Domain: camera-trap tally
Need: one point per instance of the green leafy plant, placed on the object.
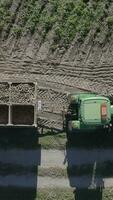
(17, 30)
(110, 22)
(67, 18)
(4, 12)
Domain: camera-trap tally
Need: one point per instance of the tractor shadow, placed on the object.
(20, 155)
(89, 162)
(88, 194)
(97, 139)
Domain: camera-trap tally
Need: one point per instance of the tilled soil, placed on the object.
(53, 85)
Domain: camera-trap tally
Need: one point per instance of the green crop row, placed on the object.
(67, 18)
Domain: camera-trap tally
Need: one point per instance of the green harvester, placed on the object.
(87, 112)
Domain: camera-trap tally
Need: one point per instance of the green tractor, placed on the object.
(88, 112)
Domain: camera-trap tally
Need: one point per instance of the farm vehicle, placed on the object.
(19, 105)
(88, 112)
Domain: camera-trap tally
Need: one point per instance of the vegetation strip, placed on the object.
(55, 194)
(53, 141)
(69, 194)
(52, 172)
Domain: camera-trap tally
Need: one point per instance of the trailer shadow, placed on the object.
(20, 155)
(89, 162)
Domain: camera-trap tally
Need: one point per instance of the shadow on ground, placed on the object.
(97, 139)
(88, 194)
(90, 160)
(19, 160)
(19, 138)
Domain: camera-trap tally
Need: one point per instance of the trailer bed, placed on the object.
(18, 104)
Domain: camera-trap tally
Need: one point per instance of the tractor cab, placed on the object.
(95, 111)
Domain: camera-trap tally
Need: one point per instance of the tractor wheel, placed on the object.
(64, 126)
(69, 131)
(69, 127)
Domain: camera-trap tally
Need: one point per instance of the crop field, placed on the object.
(64, 46)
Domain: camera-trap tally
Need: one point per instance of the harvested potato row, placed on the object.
(4, 92)
(22, 93)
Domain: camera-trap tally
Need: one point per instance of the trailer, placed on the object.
(18, 104)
